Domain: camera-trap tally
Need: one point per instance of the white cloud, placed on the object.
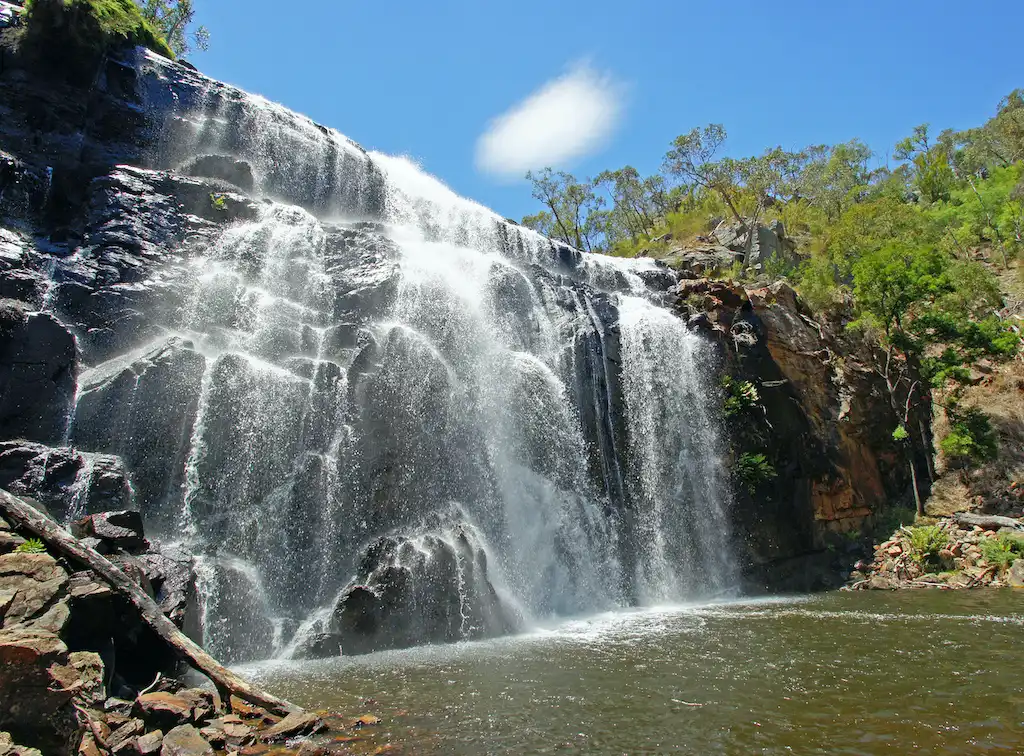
(567, 118)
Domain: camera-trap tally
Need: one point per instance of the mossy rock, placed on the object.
(69, 33)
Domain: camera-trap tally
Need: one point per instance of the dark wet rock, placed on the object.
(364, 273)
(142, 407)
(65, 481)
(23, 190)
(37, 374)
(23, 274)
(171, 573)
(432, 587)
(659, 277)
(104, 620)
(236, 172)
(243, 630)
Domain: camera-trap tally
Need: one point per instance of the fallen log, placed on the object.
(986, 522)
(24, 515)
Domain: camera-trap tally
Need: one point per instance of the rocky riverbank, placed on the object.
(74, 654)
(963, 551)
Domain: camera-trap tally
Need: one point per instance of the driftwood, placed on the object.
(986, 522)
(227, 683)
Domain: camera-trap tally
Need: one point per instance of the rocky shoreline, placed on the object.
(959, 552)
(72, 653)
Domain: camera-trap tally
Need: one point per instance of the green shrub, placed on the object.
(816, 283)
(85, 29)
(752, 470)
(1003, 550)
(971, 439)
(32, 546)
(927, 541)
(997, 552)
(740, 396)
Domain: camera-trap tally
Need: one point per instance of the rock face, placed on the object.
(37, 374)
(731, 244)
(823, 422)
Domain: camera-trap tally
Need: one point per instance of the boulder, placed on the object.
(430, 586)
(33, 699)
(293, 725)
(38, 583)
(1015, 575)
(149, 744)
(185, 740)
(121, 531)
(766, 243)
(164, 710)
(125, 734)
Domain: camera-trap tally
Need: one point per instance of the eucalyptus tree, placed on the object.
(572, 209)
(692, 158)
(173, 19)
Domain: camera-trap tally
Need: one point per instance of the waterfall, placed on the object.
(405, 418)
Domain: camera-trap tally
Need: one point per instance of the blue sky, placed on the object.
(429, 79)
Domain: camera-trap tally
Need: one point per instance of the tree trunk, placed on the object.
(22, 514)
(913, 479)
(732, 207)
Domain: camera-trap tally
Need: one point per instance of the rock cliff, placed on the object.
(821, 419)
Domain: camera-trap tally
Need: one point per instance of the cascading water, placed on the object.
(412, 421)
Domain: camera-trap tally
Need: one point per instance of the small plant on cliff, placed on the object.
(971, 439)
(218, 203)
(927, 541)
(740, 396)
(32, 546)
(753, 470)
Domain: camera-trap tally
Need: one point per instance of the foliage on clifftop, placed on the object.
(84, 29)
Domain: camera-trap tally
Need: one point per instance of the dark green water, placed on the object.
(842, 673)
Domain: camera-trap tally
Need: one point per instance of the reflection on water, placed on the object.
(844, 673)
